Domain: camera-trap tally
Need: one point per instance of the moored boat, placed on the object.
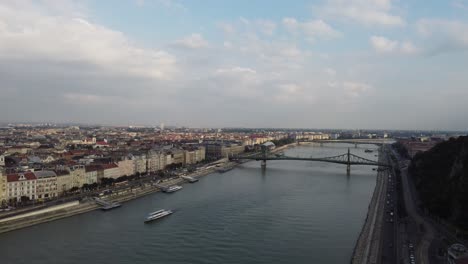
(173, 188)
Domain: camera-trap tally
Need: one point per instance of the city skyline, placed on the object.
(324, 64)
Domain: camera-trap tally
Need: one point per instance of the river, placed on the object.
(293, 212)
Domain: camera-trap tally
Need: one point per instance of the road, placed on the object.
(422, 254)
(389, 253)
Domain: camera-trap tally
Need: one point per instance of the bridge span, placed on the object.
(347, 159)
(357, 141)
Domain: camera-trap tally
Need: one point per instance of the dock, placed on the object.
(189, 179)
(105, 205)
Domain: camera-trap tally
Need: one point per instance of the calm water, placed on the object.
(294, 212)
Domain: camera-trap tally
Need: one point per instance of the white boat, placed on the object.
(173, 188)
(157, 215)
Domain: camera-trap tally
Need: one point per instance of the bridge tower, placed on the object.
(348, 163)
(264, 155)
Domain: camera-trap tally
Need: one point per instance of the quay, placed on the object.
(189, 179)
(43, 214)
(106, 205)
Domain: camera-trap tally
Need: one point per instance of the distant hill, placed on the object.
(441, 176)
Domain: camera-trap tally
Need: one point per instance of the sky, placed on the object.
(383, 64)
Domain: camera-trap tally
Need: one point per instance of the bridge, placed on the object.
(355, 141)
(347, 159)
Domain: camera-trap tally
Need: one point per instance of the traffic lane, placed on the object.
(390, 220)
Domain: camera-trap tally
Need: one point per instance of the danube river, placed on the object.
(294, 212)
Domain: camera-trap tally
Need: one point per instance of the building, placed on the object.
(192, 156)
(3, 187)
(111, 171)
(46, 186)
(93, 173)
(64, 182)
(177, 156)
(20, 186)
(78, 175)
(218, 151)
(140, 164)
(126, 166)
(269, 145)
(156, 161)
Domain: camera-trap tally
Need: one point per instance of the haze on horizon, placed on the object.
(304, 64)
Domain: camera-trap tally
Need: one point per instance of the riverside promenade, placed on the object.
(47, 214)
(369, 244)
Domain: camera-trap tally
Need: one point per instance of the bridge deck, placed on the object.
(316, 159)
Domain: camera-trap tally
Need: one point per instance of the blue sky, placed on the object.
(331, 63)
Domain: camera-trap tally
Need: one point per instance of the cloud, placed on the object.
(382, 44)
(443, 35)
(356, 89)
(58, 64)
(193, 41)
(266, 27)
(331, 72)
(312, 29)
(227, 28)
(167, 4)
(318, 28)
(291, 24)
(385, 45)
(455, 31)
(32, 35)
(365, 12)
(460, 4)
(236, 70)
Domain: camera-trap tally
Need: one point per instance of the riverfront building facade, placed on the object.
(21, 186)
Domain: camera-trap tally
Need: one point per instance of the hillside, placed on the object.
(441, 177)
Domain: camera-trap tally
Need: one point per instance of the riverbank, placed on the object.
(87, 204)
(368, 245)
(120, 196)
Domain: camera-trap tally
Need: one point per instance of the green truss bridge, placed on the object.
(347, 159)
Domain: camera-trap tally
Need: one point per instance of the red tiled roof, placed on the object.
(90, 168)
(15, 177)
(109, 166)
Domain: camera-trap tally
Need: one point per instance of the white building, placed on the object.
(19, 185)
(140, 163)
(46, 186)
(126, 166)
